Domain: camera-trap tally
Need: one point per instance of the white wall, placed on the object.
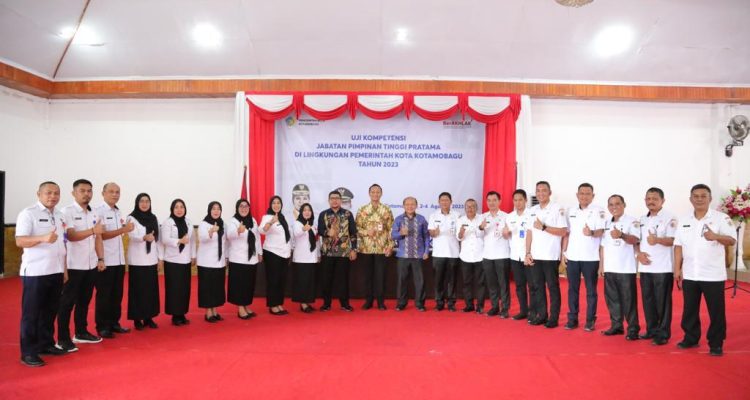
(167, 148)
(187, 148)
(627, 147)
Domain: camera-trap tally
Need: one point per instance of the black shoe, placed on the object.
(716, 351)
(185, 321)
(538, 321)
(86, 337)
(67, 346)
(247, 316)
(686, 345)
(280, 312)
(208, 318)
(219, 318)
(53, 351)
(367, 306)
(589, 326)
(117, 328)
(400, 308)
(646, 336)
(504, 314)
(480, 310)
(493, 312)
(468, 308)
(519, 317)
(382, 307)
(176, 321)
(32, 361)
(659, 341)
(347, 308)
(452, 307)
(421, 309)
(106, 334)
(439, 307)
(613, 332)
(632, 336)
(150, 323)
(551, 324)
(571, 325)
(138, 325)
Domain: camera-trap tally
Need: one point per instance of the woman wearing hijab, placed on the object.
(245, 253)
(276, 251)
(211, 261)
(143, 256)
(305, 258)
(179, 255)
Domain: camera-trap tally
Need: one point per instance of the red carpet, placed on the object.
(377, 355)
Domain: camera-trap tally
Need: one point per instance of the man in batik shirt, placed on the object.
(339, 232)
(374, 221)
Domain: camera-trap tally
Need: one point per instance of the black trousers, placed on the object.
(497, 276)
(76, 293)
(40, 303)
(546, 277)
(276, 270)
(374, 266)
(521, 275)
(656, 295)
(621, 295)
(691, 322)
(413, 266)
(335, 269)
(303, 282)
(445, 279)
(109, 290)
(473, 277)
(590, 272)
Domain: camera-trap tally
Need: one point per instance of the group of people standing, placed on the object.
(70, 252)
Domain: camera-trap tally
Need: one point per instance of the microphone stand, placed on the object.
(734, 286)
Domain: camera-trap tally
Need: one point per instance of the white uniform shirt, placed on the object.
(663, 224)
(208, 249)
(301, 239)
(275, 239)
(114, 249)
(703, 260)
(619, 256)
(168, 236)
(445, 244)
(81, 254)
(137, 254)
(44, 258)
(237, 243)
(472, 243)
(544, 245)
(581, 247)
(495, 246)
(518, 224)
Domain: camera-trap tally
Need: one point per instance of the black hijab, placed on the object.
(182, 228)
(282, 220)
(146, 218)
(308, 221)
(248, 222)
(218, 221)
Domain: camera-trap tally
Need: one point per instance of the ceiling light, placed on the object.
(84, 36)
(573, 3)
(206, 35)
(401, 34)
(613, 40)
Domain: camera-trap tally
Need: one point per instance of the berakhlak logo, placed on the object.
(457, 124)
(290, 121)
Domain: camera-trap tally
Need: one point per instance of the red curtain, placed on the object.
(500, 142)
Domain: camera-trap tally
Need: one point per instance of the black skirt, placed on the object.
(176, 288)
(241, 283)
(303, 282)
(211, 287)
(275, 278)
(143, 292)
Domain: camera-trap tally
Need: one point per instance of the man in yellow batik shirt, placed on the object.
(374, 221)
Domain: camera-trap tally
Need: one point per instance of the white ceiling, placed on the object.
(676, 41)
